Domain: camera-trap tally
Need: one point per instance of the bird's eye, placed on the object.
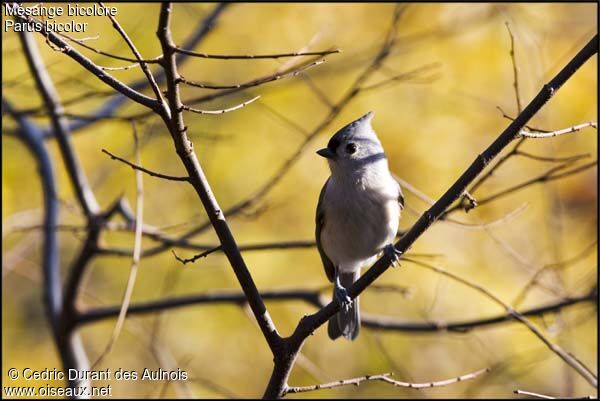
(351, 148)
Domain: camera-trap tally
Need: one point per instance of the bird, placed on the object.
(357, 216)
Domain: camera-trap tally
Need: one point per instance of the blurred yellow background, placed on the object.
(431, 131)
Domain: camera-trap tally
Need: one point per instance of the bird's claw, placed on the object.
(393, 254)
(341, 296)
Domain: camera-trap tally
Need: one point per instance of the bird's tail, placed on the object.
(346, 323)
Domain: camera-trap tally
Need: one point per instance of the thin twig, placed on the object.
(573, 158)
(409, 76)
(137, 248)
(385, 378)
(184, 148)
(124, 68)
(88, 64)
(575, 128)
(221, 111)
(508, 117)
(313, 297)
(576, 364)
(482, 179)
(111, 105)
(254, 56)
(82, 43)
(550, 175)
(292, 72)
(198, 256)
(515, 70)
(535, 278)
(138, 57)
(145, 170)
(549, 397)
(60, 125)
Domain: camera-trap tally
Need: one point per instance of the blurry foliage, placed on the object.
(430, 131)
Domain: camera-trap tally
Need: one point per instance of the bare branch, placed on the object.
(68, 343)
(514, 65)
(572, 159)
(198, 180)
(145, 170)
(32, 136)
(386, 379)
(569, 130)
(255, 56)
(60, 126)
(549, 397)
(138, 57)
(577, 365)
(409, 76)
(114, 102)
(529, 127)
(550, 175)
(535, 278)
(82, 43)
(291, 72)
(124, 68)
(221, 111)
(313, 297)
(198, 256)
(90, 66)
(137, 247)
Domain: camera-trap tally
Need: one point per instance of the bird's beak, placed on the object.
(326, 153)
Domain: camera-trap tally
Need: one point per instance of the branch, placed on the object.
(69, 345)
(409, 76)
(569, 130)
(549, 397)
(198, 256)
(200, 183)
(90, 66)
(216, 297)
(573, 158)
(60, 126)
(136, 61)
(386, 379)
(572, 361)
(255, 56)
(109, 107)
(222, 111)
(515, 148)
(550, 175)
(313, 297)
(138, 57)
(32, 137)
(291, 72)
(140, 168)
(137, 248)
(514, 66)
(535, 278)
(235, 88)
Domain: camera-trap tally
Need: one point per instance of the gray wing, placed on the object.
(320, 222)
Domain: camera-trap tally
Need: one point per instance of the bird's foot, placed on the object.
(393, 254)
(340, 294)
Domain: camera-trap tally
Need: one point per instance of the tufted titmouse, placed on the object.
(357, 215)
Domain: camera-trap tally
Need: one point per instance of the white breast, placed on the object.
(361, 217)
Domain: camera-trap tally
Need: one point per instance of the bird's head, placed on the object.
(353, 147)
